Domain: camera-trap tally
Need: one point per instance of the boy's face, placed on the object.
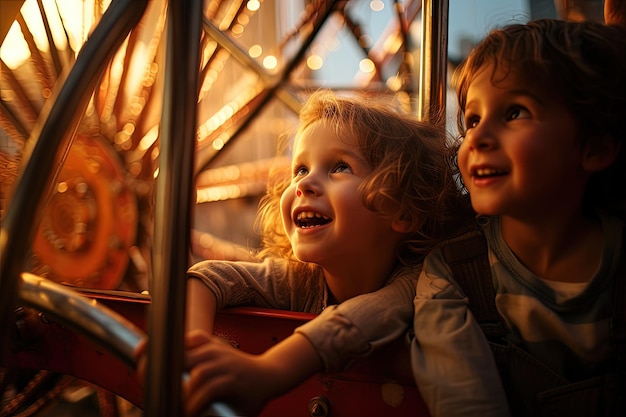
(322, 211)
(521, 155)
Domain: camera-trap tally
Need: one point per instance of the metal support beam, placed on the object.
(434, 61)
(172, 210)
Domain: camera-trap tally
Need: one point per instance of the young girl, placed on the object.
(369, 194)
(542, 115)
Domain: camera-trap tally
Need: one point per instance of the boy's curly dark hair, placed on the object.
(411, 168)
(582, 62)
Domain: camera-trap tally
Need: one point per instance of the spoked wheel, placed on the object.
(95, 226)
(79, 180)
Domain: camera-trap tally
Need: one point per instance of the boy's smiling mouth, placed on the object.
(308, 219)
(487, 172)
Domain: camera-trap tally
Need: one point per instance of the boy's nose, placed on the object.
(481, 137)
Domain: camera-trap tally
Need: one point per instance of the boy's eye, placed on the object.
(517, 113)
(471, 121)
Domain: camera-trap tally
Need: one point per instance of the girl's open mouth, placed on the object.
(308, 219)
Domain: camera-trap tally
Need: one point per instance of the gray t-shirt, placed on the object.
(341, 332)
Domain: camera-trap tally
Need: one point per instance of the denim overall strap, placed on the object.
(532, 388)
(466, 255)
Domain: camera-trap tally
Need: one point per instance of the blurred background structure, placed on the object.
(259, 61)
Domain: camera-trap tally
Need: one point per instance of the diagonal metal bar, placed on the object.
(237, 52)
(274, 89)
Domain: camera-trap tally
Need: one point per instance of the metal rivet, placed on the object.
(319, 406)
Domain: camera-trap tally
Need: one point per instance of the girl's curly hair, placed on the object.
(583, 63)
(411, 169)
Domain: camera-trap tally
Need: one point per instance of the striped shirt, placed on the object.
(566, 328)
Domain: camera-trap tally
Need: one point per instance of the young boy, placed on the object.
(542, 111)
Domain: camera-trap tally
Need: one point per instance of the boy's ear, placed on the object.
(600, 154)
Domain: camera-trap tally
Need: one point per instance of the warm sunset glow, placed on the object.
(68, 19)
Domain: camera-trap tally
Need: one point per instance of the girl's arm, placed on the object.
(219, 371)
(354, 328)
(201, 306)
(215, 285)
(329, 341)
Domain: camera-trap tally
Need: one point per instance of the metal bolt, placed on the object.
(319, 406)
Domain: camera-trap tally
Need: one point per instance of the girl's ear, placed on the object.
(600, 154)
(400, 226)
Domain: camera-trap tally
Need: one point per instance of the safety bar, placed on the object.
(104, 326)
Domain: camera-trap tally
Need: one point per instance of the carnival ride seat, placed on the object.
(91, 335)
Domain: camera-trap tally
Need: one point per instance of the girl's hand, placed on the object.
(218, 371)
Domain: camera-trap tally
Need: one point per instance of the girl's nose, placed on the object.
(308, 186)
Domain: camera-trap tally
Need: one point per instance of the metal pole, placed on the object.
(433, 62)
(172, 214)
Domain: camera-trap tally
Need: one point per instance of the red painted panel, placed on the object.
(380, 385)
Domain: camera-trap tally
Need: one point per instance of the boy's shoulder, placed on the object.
(466, 256)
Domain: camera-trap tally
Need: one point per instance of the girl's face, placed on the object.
(322, 210)
(521, 155)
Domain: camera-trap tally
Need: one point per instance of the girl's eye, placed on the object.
(517, 113)
(300, 171)
(342, 167)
